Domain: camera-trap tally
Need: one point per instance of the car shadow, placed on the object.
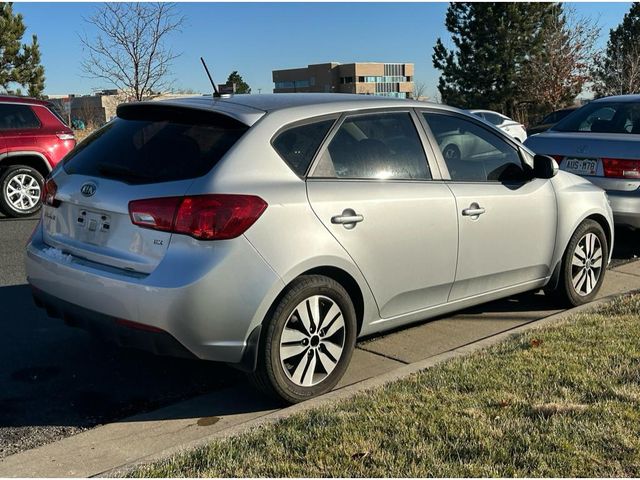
(55, 375)
(626, 245)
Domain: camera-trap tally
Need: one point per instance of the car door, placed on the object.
(375, 191)
(19, 125)
(506, 219)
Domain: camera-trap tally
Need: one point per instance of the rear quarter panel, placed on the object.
(288, 235)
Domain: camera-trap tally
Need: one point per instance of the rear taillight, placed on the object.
(618, 168)
(205, 217)
(49, 193)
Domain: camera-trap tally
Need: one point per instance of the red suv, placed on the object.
(33, 139)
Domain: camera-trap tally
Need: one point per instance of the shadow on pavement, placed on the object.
(52, 374)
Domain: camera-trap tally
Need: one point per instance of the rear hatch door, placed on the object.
(149, 151)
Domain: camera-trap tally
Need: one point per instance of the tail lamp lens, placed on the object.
(619, 168)
(205, 217)
(49, 193)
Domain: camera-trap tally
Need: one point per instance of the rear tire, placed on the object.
(583, 265)
(307, 342)
(20, 191)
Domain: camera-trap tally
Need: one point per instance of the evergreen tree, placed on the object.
(241, 85)
(19, 63)
(618, 69)
(493, 43)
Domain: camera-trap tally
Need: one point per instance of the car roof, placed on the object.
(18, 99)
(249, 108)
(620, 98)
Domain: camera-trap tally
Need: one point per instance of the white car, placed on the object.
(504, 123)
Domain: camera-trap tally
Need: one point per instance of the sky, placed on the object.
(256, 38)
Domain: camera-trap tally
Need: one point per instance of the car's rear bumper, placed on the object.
(110, 328)
(208, 298)
(625, 207)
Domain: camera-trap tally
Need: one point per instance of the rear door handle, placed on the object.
(348, 218)
(474, 210)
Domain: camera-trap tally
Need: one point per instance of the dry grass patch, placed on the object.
(561, 401)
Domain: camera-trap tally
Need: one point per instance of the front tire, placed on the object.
(20, 191)
(584, 264)
(307, 340)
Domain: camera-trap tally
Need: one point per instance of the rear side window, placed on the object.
(155, 144)
(16, 116)
(298, 145)
(378, 146)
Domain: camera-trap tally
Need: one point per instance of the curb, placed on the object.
(360, 387)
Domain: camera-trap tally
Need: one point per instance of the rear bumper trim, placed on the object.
(114, 330)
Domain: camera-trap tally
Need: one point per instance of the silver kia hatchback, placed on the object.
(272, 231)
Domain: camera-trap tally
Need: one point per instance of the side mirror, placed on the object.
(544, 166)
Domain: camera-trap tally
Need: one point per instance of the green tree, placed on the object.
(493, 43)
(19, 63)
(241, 85)
(617, 70)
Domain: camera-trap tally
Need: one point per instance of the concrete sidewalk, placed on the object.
(227, 412)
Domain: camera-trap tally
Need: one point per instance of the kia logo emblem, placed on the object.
(88, 189)
(582, 149)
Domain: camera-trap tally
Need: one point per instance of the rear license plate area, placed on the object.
(581, 166)
(92, 227)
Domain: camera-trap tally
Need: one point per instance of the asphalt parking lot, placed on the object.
(56, 381)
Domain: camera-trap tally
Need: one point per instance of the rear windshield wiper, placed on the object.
(119, 172)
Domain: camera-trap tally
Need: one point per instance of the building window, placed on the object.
(346, 80)
(293, 84)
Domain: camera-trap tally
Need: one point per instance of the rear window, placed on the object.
(14, 116)
(297, 145)
(602, 117)
(148, 144)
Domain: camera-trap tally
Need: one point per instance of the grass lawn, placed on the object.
(561, 401)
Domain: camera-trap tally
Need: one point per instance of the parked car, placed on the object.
(601, 142)
(550, 120)
(33, 139)
(511, 127)
(270, 231)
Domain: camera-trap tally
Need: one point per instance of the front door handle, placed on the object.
(474, 210)
(348, 218)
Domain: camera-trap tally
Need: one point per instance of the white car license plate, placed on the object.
(581, 166)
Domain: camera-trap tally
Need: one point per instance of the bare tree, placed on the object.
(557, 75)
(419, 89)
(129, 49)
(619, 75)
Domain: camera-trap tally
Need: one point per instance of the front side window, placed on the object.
(377, 146)
(16, 116)
(472, 153)
(297, 145)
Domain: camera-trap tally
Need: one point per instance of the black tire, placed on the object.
(271, 374)
(8, 177)
(566, 292)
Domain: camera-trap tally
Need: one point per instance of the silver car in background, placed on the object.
(601, 142)
(271, 231)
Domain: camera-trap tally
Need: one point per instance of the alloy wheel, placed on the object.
(22, 192)
(312, 341)
(586, 264)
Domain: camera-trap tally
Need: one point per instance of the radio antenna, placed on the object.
(215, 89)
